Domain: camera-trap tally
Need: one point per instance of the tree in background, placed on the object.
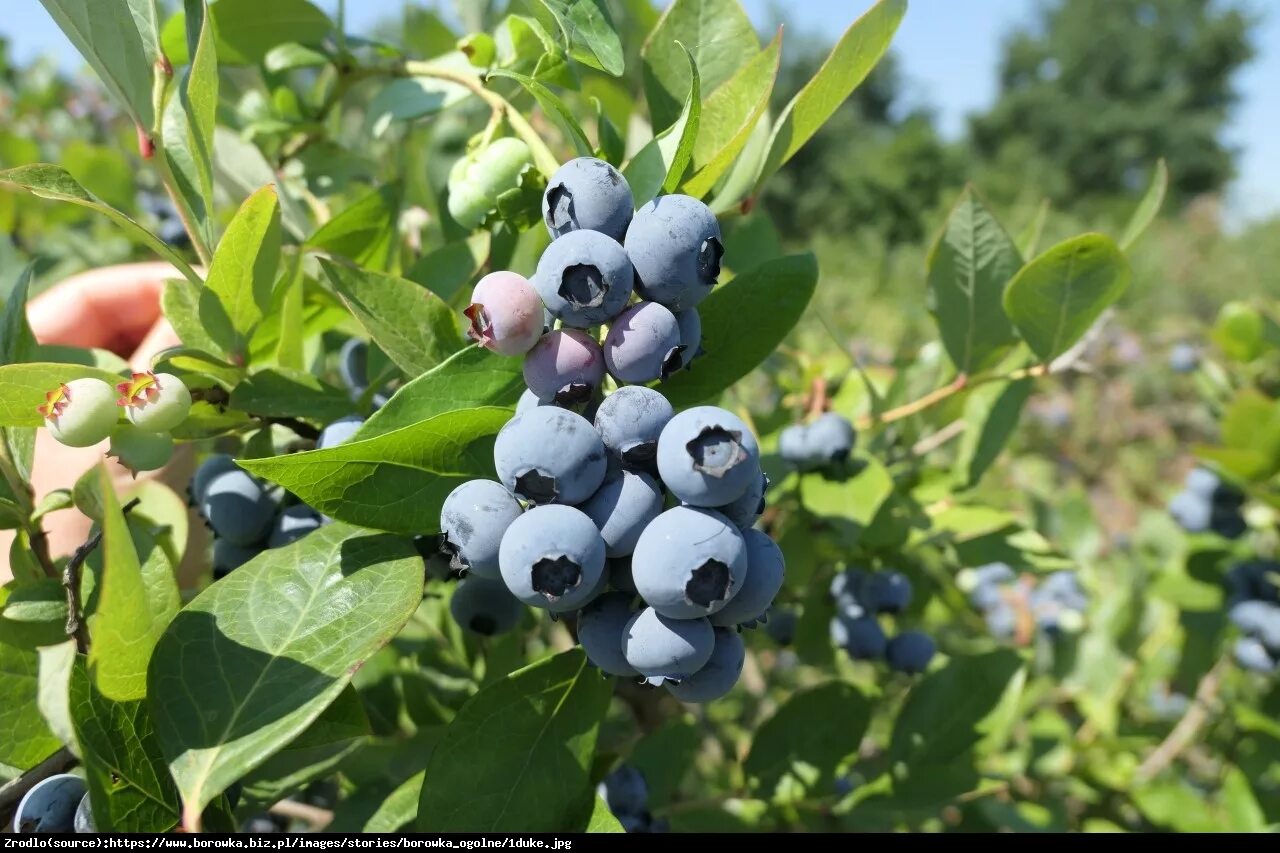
(1096, 90)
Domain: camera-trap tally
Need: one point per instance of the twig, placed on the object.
(71, 583)
(15, 789)
(315, 816)
(1184, 733)
(932, 442)
(217, 396)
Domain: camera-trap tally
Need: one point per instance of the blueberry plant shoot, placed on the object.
(517, 490)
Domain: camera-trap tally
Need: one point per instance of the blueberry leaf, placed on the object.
(554, 108)
(248, 30)
(1148, 208)
(23, 387)
(277, 641)
(237, 292)
(806, 739)
(991, 415)
(25, 739)
(661, 163)
(189, 118)
(277, 392)
(365, 232)
(518, 755)
(448, 269)
(32, 613)
(587, 32)
(395, 481)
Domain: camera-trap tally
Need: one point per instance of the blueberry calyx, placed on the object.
(716, 451)
(537, 487)
(582, 286)
(708, 584)
(555, 576)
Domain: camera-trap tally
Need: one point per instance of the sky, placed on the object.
(948, 51)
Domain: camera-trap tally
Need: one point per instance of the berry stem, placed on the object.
(1185, 731)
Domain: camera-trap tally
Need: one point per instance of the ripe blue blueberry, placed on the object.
(664, 649)
(675, 245)
(846, 588)
(1184, 358)
(886, 592)
(690, 325)
(1192, 512)
(910, 652)
(292, 524)
(622, 508)
(552, 557)
(860, 636)
(528, 400)
(720, 673)
(484, 606)
(585, 278)
(1202, 482)
(746, 510)
(564, 367)
(473, 520)
(550, 455)
(780, 624)
(50, 805)
(1064, 589)
(83, 821)
(630, 421)
(600, 627)
(1259, 619)
(766, 569)
(1254, 579)
(506, 313)
(218, 463)
(227, 556)
(238, 508)
(643, 344)
(830, 438)
(708, 457)
(624, 791)
(793, 446)
(80, 413)
(339, 432)
(1227, 521)
(1002, 620)
(1252, 655)
(689, 562)
(353, 366)
(587, 194)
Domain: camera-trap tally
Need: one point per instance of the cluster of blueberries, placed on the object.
(825, 441)
(1206, 502)
(1253, 589)
(861, 596)
(627, 795)
(1013, 606)
(603, 500)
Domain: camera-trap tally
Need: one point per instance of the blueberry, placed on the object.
(587, 194)
(747, 509)
(630, 421)
(292, 524)
(689, 562)
(550, 455)
(622, 508)
(1202, 482)
(83, 821)
(1064, 589)
(860, 636)
(80, 413)
(1184, 358)
(766, 569)
(1002, 620)
(690, 325)
(624, 791)
(238, 508)
(339, 432)
(1254, 579)
(155, 402)
(664, 649)
(830, 438)
(1252, 655)
(708, 457)
(987, 596)
(675, 245)
(228, 556)
(600, 628)
(720, 673)
(1227, 522)
(985, 584)
(643, 344)
(353, 365)
(506, 313)
(846, 588)
(473, 520)
(50, 805)
(552, 557)
(910, 652)
(886, 592)
(780, 624)
(528, 400)
(218, 463)
(1260, 619)
(565, 367)
(1191, 511)
(485, 607)
(139, 450)
(585, 278)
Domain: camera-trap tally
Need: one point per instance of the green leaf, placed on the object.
(739, 182)
(131, 612)
(545, 718)
(407, 98)
(469, 379)
(1029, 238)
(17, 343)
(661, 164)
(53, 695)
(181, 305)
(554, 108)
(970, 688)
(23, 387)
(277, 392)
(721, 37)
(412, 325)
(120, 40)
(850, 505)
(1147, 209)
(852, 59)
(129, 785)
(448, 269)
(33, 613)
(602, 819)
(396, 481)
(339, 730)
(728, 117)
(1240, 331)
(769, 300)
(588, 33)
(248, 30)
(275, 643)
(25, 739)
(55, 501)
(399, 809)
(968, 269)
(54, 182)
(237, 292)
(1250, 436)
(808, 737)
(991, 415)
(290, 56)
(1056, 297)
(366, 231)
(241, 169)
(190, 119)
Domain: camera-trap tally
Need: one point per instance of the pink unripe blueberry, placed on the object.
(643, 344)
(80, 413)
(155, 402)
(506, 313)
(565, 366)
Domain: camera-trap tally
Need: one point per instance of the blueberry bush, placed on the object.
(525, 492)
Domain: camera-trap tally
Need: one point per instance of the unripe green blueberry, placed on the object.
(139, 450)
(80, 413)
(478, 178)
(155, 402)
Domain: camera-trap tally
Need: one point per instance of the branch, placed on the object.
(1184, 733)
(71, 583)
(217, 396)
(316, 817)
